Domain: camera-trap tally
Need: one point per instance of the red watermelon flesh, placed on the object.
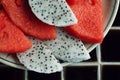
(21, 14)
(90, 21)
(71, 2)
(12, 39)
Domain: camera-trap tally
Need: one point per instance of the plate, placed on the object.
(110, 8)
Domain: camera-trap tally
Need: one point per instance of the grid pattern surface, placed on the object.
(103, 65)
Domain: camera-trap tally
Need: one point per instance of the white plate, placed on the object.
(110, 10)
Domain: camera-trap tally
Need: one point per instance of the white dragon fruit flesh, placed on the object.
(67, 48)
(42, 56)
(53, 12)
(39, 58)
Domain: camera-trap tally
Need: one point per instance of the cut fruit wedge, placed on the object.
(39, 58)
(21, 14)
(90, 24)
(53, 12)
(12, 39)
(67, 48)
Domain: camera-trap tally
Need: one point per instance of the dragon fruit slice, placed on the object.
(53, 12)
(39, 58)
(67, 48)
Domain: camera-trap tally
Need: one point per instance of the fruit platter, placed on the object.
(45, 35)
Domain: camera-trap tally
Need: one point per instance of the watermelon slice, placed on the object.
(21, 14)
(90, 21)
(12, 39)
